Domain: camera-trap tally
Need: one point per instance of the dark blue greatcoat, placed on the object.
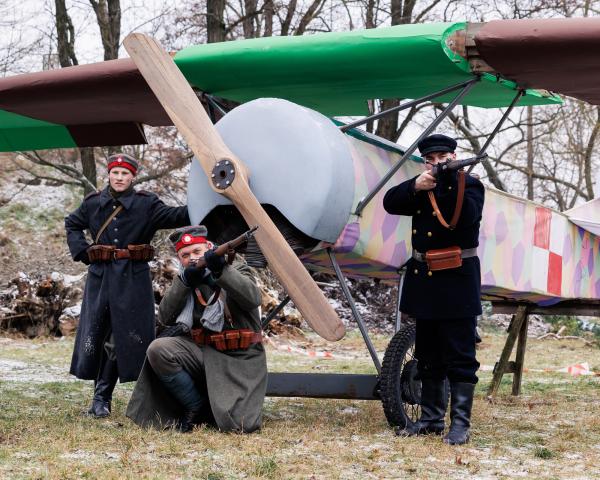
(449, 293)
(118, 294)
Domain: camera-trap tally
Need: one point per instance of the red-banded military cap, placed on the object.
(123, 160)
(182, 237)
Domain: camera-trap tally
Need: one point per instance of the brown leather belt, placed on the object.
(107, 253)
(228, 339)
(464, 253)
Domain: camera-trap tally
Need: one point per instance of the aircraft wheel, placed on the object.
(399, 389)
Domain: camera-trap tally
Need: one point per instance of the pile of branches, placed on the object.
(38, 306)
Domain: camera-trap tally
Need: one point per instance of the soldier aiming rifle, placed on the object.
(208, 364)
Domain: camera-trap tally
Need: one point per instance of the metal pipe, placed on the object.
(404, 106)
(215, 104)
(491, 136)
(365, 201)
(265, 322)
(357, 317)
(398, 322)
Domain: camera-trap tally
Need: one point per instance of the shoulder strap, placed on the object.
(108, 220)
(459, 203)
(214, 297)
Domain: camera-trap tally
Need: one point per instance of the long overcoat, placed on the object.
(236, 380)
(118, 294)
(452, 293)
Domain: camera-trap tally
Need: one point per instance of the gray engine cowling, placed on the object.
(299, 162)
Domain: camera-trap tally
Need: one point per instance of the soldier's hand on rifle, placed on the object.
(425, 181)
(193, 276)
(215, 263)
(176, 330)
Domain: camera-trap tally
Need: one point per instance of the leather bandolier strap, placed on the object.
(459, 203)
(107, 221)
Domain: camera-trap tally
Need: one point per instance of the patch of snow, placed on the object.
(73, 311)
(16, 371)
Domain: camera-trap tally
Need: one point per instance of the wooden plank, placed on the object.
(591, 308)
(520, 358)
(183, 107)
(513, 332)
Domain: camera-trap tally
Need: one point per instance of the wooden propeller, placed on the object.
(229, 176)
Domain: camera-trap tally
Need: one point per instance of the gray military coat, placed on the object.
(236, 380)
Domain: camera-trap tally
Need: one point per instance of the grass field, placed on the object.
(551, 431)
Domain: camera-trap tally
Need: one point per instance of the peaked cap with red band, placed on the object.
(124, 161)
(186, 236)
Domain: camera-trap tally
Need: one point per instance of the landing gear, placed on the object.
(399, 389)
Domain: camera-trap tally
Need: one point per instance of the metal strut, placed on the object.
(398, 322)
(491, 136)
(404, 106)
(365, 201)
(272, 314)
(357, 317)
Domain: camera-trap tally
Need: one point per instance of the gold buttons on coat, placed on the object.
(418, 212)
(450, 187)
(433, 213)
(429, 234)
(429, 273)
(416, 271)
(414, 231)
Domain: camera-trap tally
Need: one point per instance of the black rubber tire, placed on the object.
(400, 392)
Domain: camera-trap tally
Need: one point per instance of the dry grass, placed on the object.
(552, 431)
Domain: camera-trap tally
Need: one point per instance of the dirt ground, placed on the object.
(551, 431)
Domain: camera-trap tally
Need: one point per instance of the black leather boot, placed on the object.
(434, 401)
(461, 402)
(181, 385)
(104, 386)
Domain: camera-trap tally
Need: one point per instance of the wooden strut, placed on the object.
(517, 330)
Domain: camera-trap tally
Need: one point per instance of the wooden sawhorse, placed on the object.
(517, 332)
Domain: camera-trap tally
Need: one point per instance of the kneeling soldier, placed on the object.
(208, 364)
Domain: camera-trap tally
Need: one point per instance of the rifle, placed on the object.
(230, 247)
(453, 165)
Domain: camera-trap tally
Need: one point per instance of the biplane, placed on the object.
(313, 185)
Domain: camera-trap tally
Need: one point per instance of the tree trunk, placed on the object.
(215, 27)
(108, 16)
(530, 152)
(88, 167)
(65, 33)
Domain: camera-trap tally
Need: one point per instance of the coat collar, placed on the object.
(126, 200)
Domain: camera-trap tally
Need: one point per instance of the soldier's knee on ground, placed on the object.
(159, 357)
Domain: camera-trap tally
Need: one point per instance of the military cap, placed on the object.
(182, 237)
(123, 160)
(436, 143)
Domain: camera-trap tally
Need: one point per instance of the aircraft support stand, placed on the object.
(516, 330)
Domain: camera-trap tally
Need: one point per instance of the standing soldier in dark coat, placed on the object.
(209, 364)
(442, 286)
(117, 313)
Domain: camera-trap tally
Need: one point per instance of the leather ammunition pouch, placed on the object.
(108, 253)
(101, 253)
(443, 258)
(141, 253)
(227, 340)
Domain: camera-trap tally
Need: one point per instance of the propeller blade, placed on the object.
(229, 176)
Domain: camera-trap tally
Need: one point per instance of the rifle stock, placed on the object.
(230, 245)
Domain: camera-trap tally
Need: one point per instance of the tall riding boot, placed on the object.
(461, 402)
(181, 386)
(434, 401)
(104, 386)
